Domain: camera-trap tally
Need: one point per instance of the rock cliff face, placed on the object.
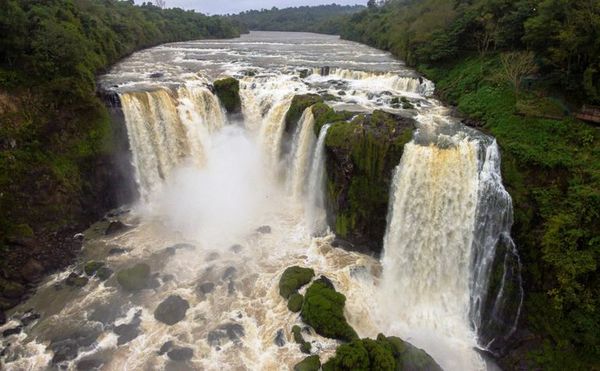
(362, 153)
(53, 210)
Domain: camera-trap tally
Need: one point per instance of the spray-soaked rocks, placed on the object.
(323, 309)
(129, 331)
(135, 278)
(293, 278)
(98, 270)
(171, 310)
(265, 229)
(75, 280)
(228, 332)
(180, 354)
(115, 227)
(305, 346)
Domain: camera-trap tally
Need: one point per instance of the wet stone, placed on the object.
(92, 267)
(75, 280)
(12, 331)
(104, 273)
(224, 333)
(264, 229)
(212, 256)
(165, 347)
(117, 251)
(180, 354)
(67, 347)
(167, 277)
(229, 273)
(89, 364)
(279, 338)
(171, 310)
(231, 287)
(2, 318)
(206, 287)
(106, 313)
(236, 248)
(115, 227)
(327, 282)
(29, 318)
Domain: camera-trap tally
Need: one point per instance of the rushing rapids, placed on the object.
(227, 203)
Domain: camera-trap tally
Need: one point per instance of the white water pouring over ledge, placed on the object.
(208, 185)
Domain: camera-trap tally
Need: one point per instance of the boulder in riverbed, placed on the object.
(293, 278)
(171, 310)
(134, 278)
(180, 354)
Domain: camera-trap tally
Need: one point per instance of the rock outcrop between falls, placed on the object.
(228, 91)
(362, 151)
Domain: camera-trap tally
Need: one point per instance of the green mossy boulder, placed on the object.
(92, 267)
(75, 280)
(228, 91)
(295, 302)
(293, 278)
(384, 354)
(310, 363)
(323, 309)
(104, 273)
(305, 346)
(297, 107)
(134, 278)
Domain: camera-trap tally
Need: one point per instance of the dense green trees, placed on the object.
(564, 34)
(322, 18)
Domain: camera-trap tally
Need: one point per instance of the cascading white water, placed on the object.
(427, 247)
(165, 127)
(316, 215)
(492, 230)
(387, 80)
(303, 143)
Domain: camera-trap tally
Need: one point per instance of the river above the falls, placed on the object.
(228, 202)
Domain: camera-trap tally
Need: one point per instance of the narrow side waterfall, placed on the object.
(496, 287)
(303, 144)
(271, 133)
(165, 127)
(316, 213)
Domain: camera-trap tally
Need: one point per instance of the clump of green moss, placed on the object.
(324, 115)
(293, 278)
(382, 354)
(134, 278)
(299, 339)
(323, 309)
(295, 302)
(228, 91)
(310, 363)
(297, 107)
(92, 267)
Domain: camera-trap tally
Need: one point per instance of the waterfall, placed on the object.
(271, 133)
(448, 214)
(165, 127)
(316, 215)
(495, 306)
(303, 143)
(386, 80)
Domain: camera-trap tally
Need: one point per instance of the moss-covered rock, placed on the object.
(104, 273)
(310, 363)
(383, 354)
(92, 267)
(297, 107)
(305, 346)
(228, 91)
(323, 309)
(134, 278)
(361, 156)
(295, 302)
(293, 278)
